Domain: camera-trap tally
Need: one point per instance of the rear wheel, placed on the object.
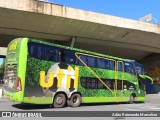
(75, 100)
(59, 100)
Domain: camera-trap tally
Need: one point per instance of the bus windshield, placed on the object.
(139, 68)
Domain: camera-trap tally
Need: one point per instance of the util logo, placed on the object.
(63, 77)
(13, 45)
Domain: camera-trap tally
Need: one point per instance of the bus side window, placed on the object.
(40, 52)
(70, 57)
(100, 63)
(119, 84)
(62, 55)
(112, 65)
(108, 83)
(142, 83)
(107, 64)
(120, 66)
(56, 55)
(83, 82)
(128, 67)
(84, 59)
(94, 83)
(51, 54)
(100, 85)
(48, 53)
(33, 49)
(128, 85)
(112, 82)
(91, 62)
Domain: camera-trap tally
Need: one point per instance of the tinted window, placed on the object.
(139, 68)
(94, 83)
(120, 66)
(51, 54)
(142, 83)
(128, 67)
(84, 59)
(128, 85)
(100, 63)
(70, 57)
(91, 61)
(112, 65)
(105, 64)
(119, 85)
(43, 52)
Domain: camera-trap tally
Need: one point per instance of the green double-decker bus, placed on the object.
(39, 72)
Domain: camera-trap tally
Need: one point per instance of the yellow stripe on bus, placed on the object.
(68, 81)
(42, 79)
(76, 77)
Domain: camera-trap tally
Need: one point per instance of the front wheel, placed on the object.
(59, 100)
(132, 99)
(75, 100)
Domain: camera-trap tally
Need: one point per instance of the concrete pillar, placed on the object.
(3, 51)
(73, 41)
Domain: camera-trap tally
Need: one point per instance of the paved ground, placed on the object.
(152, 104)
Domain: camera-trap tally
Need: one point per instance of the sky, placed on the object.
(132, 9)
(1, 60)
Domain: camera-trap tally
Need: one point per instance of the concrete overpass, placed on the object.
(92, 31)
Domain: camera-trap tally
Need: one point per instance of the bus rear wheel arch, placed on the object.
(132, 98)
(75, 100)
(60, 100)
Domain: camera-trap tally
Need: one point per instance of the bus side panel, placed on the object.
(22, 67)
(17, 57)
(34, 93)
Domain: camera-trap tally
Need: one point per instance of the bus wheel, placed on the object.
(75, 100)
(59, 100)
(132, 99)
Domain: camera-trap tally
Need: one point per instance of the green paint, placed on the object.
(147, 77)
(29, 69)
(21, 58)
(141, 99)
(22, 66)
(109, 99)
(104, 99)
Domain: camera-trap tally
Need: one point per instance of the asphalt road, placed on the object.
(152, 104)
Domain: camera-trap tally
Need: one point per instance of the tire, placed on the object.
(132, 99)
(75, 100)
(59, 100)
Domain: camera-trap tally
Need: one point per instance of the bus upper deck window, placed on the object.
(62, 56)
(128, 67)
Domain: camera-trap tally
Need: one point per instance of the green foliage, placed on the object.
(2, 67)
(34, 66)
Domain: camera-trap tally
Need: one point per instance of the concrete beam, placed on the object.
(47, 21)
(71, 13)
